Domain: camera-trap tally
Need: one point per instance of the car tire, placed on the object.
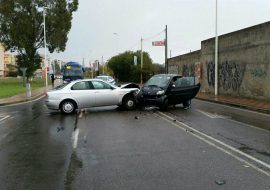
(164, 105)
(68, 107)
(129, 103)
(187, 104)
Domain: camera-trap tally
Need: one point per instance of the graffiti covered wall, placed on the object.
(184, 63)
(243, 63)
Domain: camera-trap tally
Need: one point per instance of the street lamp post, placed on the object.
(216, 52)
(45, 44)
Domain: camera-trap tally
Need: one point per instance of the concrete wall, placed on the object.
(184, 64)
(244, 63)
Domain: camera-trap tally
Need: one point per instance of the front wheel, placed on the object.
(129, 103)
(164, 105)
(67, 107)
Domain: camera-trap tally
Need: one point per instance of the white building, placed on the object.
(2, 60)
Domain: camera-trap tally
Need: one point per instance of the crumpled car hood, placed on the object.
(150, 90)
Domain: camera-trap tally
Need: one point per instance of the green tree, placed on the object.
(124, 69)
(21, 28)
(56, 67)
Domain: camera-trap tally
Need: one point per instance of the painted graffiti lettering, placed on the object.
(211, 74)
(231, 75)
(259, 73)
(188, 70)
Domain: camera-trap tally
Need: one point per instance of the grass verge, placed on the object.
(13, 86)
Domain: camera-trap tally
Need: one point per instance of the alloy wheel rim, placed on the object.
(68, 107)
(130, 103)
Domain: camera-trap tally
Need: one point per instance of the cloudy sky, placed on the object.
(107, 27)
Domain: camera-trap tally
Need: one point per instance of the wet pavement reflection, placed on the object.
(34, 153)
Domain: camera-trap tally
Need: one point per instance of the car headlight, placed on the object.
(161, 92)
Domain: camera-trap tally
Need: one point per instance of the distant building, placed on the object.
(2, 57)
(50, 66)
(9, 63)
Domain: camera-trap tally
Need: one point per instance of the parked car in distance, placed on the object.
(58, 77)
(89, 93)
(106, 78)
(168, 89)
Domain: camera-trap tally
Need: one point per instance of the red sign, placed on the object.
(158, 43)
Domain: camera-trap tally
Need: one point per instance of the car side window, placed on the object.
(100, 85)
(83, 85)
(182, 82)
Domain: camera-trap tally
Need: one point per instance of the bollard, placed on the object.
(28, 90)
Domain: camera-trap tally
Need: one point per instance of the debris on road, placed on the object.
(220, 182)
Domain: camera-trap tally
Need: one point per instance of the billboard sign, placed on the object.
(158, 43)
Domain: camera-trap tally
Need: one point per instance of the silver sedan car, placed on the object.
(90, 93)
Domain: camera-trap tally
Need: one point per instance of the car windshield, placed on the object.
(73, 72)
(160, 81)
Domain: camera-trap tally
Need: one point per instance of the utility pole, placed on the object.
(216, 52)
(141, 60)
(45, 45)
(166, 50)
(102, 65)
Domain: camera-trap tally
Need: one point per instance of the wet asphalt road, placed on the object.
(105, 148)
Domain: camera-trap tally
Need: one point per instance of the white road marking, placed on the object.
(248, 125)
(23, 102)
(207, 138)
(4, 118)
(232, 107)
(213, 115)
(216, 116)
(75, 136)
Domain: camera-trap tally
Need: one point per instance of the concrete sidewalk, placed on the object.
(246, 103)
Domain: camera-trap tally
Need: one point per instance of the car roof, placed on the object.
(73, 63)
(168, 75)
(81, 80)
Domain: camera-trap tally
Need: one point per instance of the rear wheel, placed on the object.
(129, 103)
(68, 107)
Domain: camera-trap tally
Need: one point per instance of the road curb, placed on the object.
(248, 107)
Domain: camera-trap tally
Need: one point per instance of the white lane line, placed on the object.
(206, 139)
(247, 125)
(4, 118)
(232, 107)
(75, 136)
(212, 115)
(216, 116)
(23, 102)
